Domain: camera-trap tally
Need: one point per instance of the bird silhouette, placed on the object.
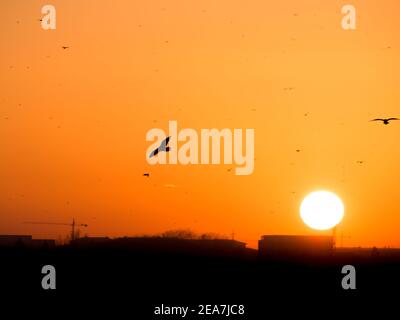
(385, 121)
(146, 174)
(64, 47)
(163, 147)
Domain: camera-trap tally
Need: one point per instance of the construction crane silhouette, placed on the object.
(73, 225)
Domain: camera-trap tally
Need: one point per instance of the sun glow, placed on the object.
(321, 210)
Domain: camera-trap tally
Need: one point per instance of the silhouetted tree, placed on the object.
(179, 234)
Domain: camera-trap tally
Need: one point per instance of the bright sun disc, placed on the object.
(321, 210)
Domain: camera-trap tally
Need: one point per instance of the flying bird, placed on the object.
(163, 147)
(385, 121)
(64, 47)
(146, 174)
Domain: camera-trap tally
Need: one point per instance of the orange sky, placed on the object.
(73, 122)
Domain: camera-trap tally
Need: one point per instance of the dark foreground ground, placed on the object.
(123, 283)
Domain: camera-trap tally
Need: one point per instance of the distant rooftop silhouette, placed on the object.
(162, 244)
(25, 241)
(295, 245)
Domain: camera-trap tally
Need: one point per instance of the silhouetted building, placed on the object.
(221, 247)
(89, 242)
(25, 241)
(14, 240)
(41, 243)
(295, 246)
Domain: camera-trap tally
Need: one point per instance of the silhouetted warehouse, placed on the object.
(13, 240)
(25, 241)
(284, 246)
(171, 245)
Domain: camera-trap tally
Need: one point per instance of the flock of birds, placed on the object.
(165, 148)
(164, 144)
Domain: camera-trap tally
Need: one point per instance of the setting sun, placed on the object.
(321, 210)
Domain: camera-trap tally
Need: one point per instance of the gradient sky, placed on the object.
(73, 122)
